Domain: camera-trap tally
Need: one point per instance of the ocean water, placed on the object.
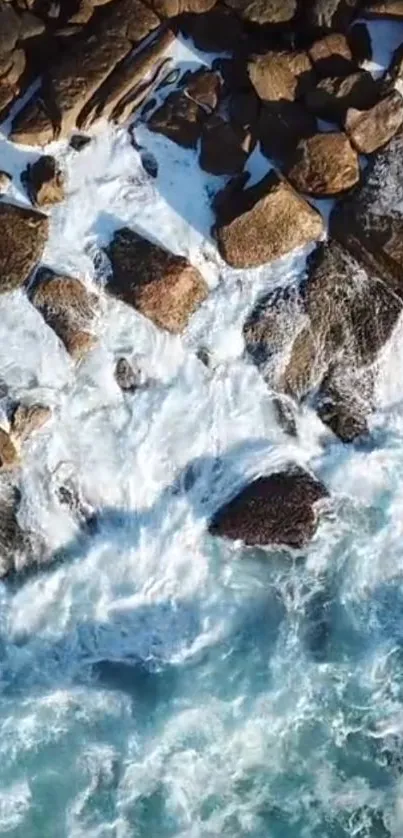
(154, 681)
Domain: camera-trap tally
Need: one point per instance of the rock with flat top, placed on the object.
(277, 509)
(370, 130)
(280, 76)
(68, 308)
(324, 165)
(23, 235)
(263, 223)
(162, 286)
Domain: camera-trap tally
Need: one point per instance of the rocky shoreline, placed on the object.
(288, 77)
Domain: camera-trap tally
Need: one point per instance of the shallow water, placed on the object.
(156, 682)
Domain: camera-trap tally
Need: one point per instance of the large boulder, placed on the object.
(331, 55)
(370, 130)
(183, 113)
(225, 147)
(23, 235)
(67, 308)
(162, 286)
(325, 164)
(369, 221)
(13, 542)
(280, 76)
(281, 126)
(277, 509)
(263, 223)
(218, 30)
(333, 96)
(383, 8)
(265, 12)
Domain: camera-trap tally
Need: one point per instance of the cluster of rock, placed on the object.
(287, 65)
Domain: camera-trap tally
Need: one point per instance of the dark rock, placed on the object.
(332, 97)
(395, 70)
(67, 308)
(264, 12)
(183, 113)
(234, 71)
(160, 285)
(325, 164)
(204, 86)
(369, 221)
(278, 509)
(44, 181)
(126, 377)
(343, 409)
(23, 235)
(331, 55)
(244, 109)
(370, 130)
(331, 14)
(360, 42)
(79, 141)
(216, 31)
(282, 126)
(383, 8)
(149, 163)
(264, 222)
(280, 76)
(224, 147)
(172, 8)
(10, 27)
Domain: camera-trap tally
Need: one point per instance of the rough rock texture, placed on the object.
(224, 147)
(12, 539)
(277, 509)
(263, 223)
(281, 127)
(331, 55)
(395, 71)
(325, 164)
(67, 308)
(9, 457)
(280, 76)
(384, 8)
(331, 14)
(182, 114)
(127, 378)
(216, 31)
(369, 221)
(44, 181)
(333, 96)
(370, 130)
(27, 419)
(23, 235)
(264, 11)
(345, 408)
(162, 286)
(172, 8)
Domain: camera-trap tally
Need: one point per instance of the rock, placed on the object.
(172, 8)
(264, 12)
(9, 457)
(343, 409)
(162, 286)
(234, 72)
(383, 8)
(31, 26)
(32, 125)
(244, 109)
(5, 180)
(23, 235)
(12, 538)
(324, 165)
(331, 14)
(280, 76)
(10, 79)
(27, 419)
(67, 308)
(282, 126)
(395, 70)
(216, 31)
(331, 55)
(369, 221)
(126, 377)
(182, 114)
(264, 222)
(277, 509)
(79, 141)
(360, 43)
(224, 148)
(333, 96)
(370, 130)
(44, 181)
(9, 28)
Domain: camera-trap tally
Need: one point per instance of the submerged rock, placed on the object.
(23, 235)
(9, 457)
(162, 286)
(27, 419)
(127, 378)
(67, 308)
(263, 223)
(44, 181)
(278, 509)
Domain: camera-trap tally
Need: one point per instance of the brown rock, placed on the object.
(332, 97)
(275, 509)
(369, 221)
(395, 71)
(31, 26)
(224, 147)
(11, 78)
(27, 419)
(32, 125)
(218, 30)
(9, 457)
(264, 11)
(282, 126)
(172, 8)
(342, 409)
(331, 55)
(331, 14)
(325, 164)
(162, 286)
(182, 114)
(5, 180)
(9, 28)
(372, 129)
(44, 181)
(280, 76)
(384, 8)
(204, 86)
(23, 235)
(264, 222)
(67, 308)
(12, 539)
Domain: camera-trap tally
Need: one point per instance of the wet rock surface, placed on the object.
(162, 286)
(275, 510)
(44, 181)
(67, 308)
(23, 235)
